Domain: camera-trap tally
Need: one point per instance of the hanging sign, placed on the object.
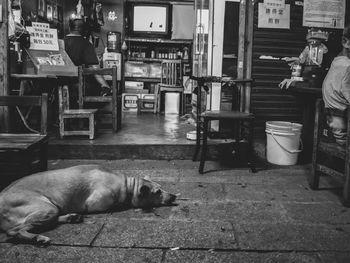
(42, 37)
(274, 14)
(324, 13)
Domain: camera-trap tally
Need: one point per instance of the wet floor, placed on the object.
(142, 136)
(145, 128)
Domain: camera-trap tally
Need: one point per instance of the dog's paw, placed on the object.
(42, 241)
(71, 219)
(75, 219)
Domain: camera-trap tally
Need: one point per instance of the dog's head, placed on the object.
(150, 194)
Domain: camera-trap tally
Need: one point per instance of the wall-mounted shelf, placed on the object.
(158, 40)
(149, 53)
(145, 59)
(153, 60)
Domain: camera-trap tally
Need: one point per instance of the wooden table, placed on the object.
(306, 94)
(31, 78)
(50, 88)
(20, 155)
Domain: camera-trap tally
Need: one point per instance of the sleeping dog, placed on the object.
(62, 196)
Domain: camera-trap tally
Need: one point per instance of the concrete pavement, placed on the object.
(225, 215)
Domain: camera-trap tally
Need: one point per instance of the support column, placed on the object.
(242, 39)
(4, 65)
(249, 50)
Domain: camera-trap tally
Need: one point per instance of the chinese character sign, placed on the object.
(324, 13)
(42, 37)
(274, 14)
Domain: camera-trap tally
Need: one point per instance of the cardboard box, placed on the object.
(129, 102)
(148, 96)
(148, 103)
(136, 69)
(155, 70)
(137, 85)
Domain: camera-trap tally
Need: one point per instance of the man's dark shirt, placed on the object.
(80, 50)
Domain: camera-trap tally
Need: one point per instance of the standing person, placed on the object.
(336, 90)
(81, 51)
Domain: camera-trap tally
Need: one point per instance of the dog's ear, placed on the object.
(144, 190)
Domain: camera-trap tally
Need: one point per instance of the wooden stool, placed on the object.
(66, 113)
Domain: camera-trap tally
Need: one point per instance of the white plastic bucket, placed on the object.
(172, 103)
(283, 143)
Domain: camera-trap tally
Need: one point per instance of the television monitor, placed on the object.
(150, 20)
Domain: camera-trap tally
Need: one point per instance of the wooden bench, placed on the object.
(324, 148)
(23, 153)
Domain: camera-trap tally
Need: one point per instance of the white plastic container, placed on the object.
(172, 103)
(283, 143)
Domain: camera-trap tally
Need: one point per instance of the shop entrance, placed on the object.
(117, 30)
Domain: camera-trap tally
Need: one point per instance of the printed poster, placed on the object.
(324, 13)
(274, 14)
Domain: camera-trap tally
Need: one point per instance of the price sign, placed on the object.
(42, 37)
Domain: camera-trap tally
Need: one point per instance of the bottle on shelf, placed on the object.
(185, 53)
(170, 54)
(179, 54)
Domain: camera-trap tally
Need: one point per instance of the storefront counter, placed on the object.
(307, 88)
(306, 94)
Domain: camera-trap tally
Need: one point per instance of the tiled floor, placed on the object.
(225, 215)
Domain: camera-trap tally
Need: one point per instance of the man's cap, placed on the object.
(76, 23)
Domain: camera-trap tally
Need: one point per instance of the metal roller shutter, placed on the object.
(268, 102)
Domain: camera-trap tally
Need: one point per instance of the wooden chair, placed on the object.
(324, 148)
(23, 153)
(171, 81)
(237, 117)
(115, 99)
(65, 113)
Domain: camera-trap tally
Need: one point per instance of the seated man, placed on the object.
(336, 90)
(81, 51)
